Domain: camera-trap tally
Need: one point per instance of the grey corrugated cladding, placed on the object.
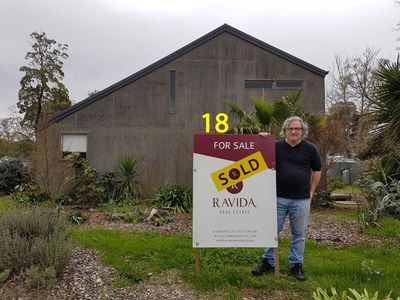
(180, 52)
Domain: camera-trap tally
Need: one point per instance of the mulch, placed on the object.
(330, 231)
(179, 223)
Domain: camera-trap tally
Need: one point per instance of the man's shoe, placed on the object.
(262, 268)
(297, 272)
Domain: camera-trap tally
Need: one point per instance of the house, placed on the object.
(153, 114)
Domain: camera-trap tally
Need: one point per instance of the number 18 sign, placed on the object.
(234, 191)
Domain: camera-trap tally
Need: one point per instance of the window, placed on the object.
(258, 84)
(172, 91)
(74, 143)
(273, 84)
(289, 84)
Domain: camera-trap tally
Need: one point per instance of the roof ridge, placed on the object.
(174, 55)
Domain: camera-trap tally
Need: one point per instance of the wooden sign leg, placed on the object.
(197, 252)
(276, 254)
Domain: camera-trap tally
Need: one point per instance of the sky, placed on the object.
(111, 39)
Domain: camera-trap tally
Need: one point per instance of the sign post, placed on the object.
(197, 263)
(234, 192)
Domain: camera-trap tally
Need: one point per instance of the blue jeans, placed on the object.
(298, 211)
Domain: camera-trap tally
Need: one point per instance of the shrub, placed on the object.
(382, 199)
(137, 216)
(88, 188)
(77, 218)
(369, 216)
(108, 181)
(379, 173)
(162, 221)
(335, 183)
(323, 199)
(390, 204)
(174, 196)
(125, 198)
(63, 198)
(29, 193)
(13, 171)
(40, 278)
(23, 147)
(34, 237)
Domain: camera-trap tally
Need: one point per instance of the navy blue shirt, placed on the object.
(293, 168)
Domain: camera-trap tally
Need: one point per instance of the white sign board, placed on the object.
(234, 191)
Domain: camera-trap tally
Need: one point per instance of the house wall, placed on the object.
(135, 119)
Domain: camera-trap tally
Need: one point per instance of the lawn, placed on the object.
(348, 189)
(136, 254)
(6, 204)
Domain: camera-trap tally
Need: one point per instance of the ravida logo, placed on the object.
(236, 188)
(233, 202)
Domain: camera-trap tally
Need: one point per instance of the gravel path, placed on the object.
(86, 278)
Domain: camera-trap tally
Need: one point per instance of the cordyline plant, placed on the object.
(127, 173)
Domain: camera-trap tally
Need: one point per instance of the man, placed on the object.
(298, 172)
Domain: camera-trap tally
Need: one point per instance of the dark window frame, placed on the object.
(289, 84)
(270, 84)
(258, 84)
(172, 92)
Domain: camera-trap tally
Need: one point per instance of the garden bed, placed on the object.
(326, 229)
(86, 278)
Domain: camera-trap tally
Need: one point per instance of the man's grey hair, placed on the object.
(287, 122)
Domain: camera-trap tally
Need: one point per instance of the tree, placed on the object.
(350, 93)
(266, 116)
(385, 113)
(341, 80)
(42, 90)
(93, 93)
(398, 24)
(352, 79)
(330, 138)
(346, 114)
(11, 129)
(14, 139)
(363, 83)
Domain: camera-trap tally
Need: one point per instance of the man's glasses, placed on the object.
(294, 129)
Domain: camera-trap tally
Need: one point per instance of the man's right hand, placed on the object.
(264, 134)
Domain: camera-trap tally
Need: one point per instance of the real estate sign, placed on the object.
(234, 191)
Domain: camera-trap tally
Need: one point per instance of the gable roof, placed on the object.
(224, 28)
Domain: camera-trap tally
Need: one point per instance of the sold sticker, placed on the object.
(238, 171)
